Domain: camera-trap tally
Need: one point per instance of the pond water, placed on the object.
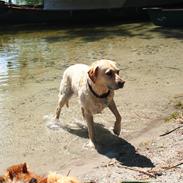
(32, 62)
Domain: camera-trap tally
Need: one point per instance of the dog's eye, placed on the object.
(33, 180)
(117, 72)
(109, 73)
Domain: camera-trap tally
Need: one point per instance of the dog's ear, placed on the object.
(24, 168)
(11, 175)
(14, 170)
(2, 179)
(93, 72)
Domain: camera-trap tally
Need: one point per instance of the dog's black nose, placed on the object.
(33, 180)
(121, 84)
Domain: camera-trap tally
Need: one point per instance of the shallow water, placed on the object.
(31, 65)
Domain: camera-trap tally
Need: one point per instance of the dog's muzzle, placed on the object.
(120, 84)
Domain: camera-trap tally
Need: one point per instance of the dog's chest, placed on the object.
(95, 105)
(99, 105)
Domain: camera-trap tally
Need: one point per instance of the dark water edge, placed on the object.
(67, 18)
(12, 28)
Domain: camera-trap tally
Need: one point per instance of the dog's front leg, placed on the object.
(91, 132)
(114, 110)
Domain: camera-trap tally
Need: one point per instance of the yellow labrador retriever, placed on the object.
(94, 85)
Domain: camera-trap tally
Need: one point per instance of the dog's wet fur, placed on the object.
(94, 85)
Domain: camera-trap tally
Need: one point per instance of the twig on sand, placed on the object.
(164, 134)
(112, 162)
(152, 174)
(173, 166)
(175, 68)
(115, 163)
(68, 173)
(137, 170)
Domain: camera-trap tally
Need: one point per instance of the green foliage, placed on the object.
(179, 105)
(172, 116)
(29, 2)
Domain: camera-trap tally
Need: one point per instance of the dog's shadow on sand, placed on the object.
(113, 146)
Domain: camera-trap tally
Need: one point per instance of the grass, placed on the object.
(179, 105)
(177, 114)
(172, 116)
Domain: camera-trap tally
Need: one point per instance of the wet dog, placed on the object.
(20, 174)
(94, 85)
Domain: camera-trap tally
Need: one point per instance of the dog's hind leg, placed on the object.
(64, 95)
(63, 99)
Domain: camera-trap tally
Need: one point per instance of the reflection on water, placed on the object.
(28, 54)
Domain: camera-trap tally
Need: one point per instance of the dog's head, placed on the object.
(105, 73)
(17, 170)
(20, 172)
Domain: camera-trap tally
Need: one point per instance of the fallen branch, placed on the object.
(174, 166)
(164, 134)
(112, 162)
(68, 173)
(175, 68)
(137, 170)
(115, 163)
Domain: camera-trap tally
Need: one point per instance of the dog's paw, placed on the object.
(89, 145)
(116, 132)
(52, 123)
(117, 129)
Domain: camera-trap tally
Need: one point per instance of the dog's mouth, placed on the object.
(113, 87)
(116, 86)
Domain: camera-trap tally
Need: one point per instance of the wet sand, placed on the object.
(31, 66)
